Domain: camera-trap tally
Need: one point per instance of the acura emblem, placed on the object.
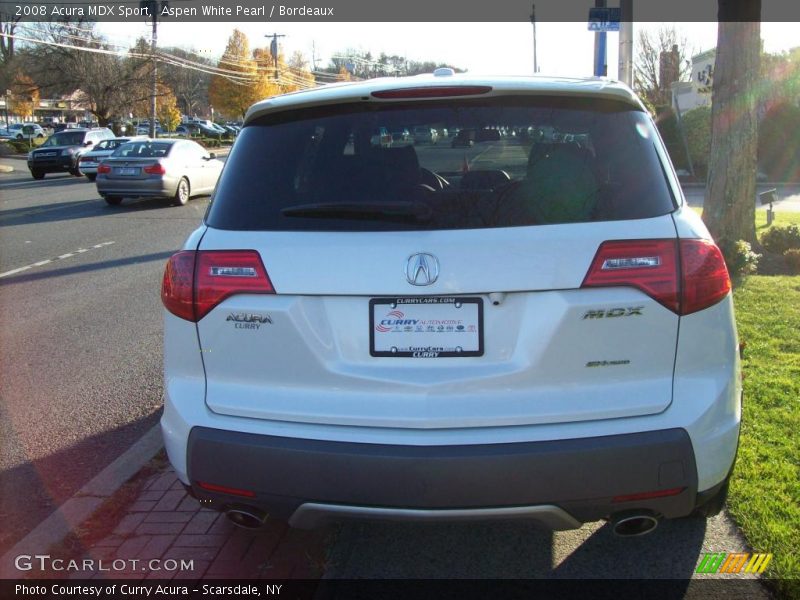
(422, 269)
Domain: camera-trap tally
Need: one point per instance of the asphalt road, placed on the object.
(80, 357)
(80, 335)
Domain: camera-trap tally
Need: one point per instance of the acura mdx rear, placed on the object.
(535, 326)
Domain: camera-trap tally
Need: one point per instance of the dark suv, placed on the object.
(62, 151)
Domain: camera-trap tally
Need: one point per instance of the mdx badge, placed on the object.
(627, 311)
(422, 269)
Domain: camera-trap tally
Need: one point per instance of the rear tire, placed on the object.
(37, 174)
(182, 193)
(113, 200)
(91, 176)
(75, 172)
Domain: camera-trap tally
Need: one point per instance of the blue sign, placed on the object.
(604, 19)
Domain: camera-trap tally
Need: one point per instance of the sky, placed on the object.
(564, 49)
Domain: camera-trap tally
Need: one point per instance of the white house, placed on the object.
(687, 95)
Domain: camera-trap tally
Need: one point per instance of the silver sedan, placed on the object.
(163, 168)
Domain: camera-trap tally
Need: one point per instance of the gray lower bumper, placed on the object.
(136, 188)
(579, 477)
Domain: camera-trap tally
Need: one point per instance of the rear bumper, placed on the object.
(145, 188)
(558, 483)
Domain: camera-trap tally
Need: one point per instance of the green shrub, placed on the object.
(21, 146)
(779, 144)
(667, 124)
(779, 239)
(740, 258)
(697, 125)
(792, 256)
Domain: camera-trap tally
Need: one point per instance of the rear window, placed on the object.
(142, 150)
(533, 161)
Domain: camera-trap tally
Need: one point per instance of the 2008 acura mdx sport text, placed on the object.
(535, 326)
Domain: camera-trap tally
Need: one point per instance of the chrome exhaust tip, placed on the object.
(246, 517)
(634, 524)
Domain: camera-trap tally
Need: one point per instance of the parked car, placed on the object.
(145, 130)
(200, 128)
(350, 334)
(163, 168)
(62, 151)
(91, 160)
(381, 137)
(465, 138)
(186, 130)
(401, 135)
(24, 131)
(425, 135)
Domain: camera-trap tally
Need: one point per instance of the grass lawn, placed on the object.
(765, 490)
(781, 218)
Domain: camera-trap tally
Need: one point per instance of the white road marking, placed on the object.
(49, 260)
(15, 271)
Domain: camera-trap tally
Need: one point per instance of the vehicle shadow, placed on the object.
(32, 490)
(93, 207)
(56, 180)
(518, 560)
(514, 550)
(27, 277)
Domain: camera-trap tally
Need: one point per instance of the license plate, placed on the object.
(127, 171)
(437, 327)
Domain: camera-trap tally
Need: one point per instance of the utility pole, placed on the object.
(313, 55)
(533, 22)
(625, 74)
(154, 7)
(600, 66)
(273, 49)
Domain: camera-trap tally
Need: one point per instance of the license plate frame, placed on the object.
(450, 327)
(127, 171)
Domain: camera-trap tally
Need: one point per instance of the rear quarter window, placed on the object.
(533, 161)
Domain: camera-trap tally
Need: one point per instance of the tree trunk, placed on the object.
(729, 208)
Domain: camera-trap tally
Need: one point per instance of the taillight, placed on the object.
(86, 158)
(684, 275)
(649, 265)
(103, 168)
(440, 91)
(197, 281)
(705, 276)
(156, 169)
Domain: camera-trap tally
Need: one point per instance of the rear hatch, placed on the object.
(137, 160)
(439, 287)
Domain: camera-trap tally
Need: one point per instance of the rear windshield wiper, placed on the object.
(404, 211)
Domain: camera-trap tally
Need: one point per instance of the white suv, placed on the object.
(533, 327)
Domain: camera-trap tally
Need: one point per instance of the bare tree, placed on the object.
(190, 86)
(660, 59)
(8, 26)
(729, 208)
(8, 70)
(107, 82)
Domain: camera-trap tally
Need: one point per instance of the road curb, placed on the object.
(84, 502)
